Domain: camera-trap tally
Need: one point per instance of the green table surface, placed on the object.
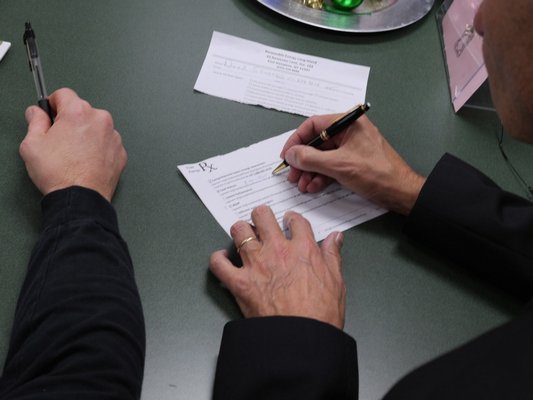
(140, 59)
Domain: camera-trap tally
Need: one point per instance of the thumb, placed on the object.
(331, 247)
(309, 159)
(38, 121)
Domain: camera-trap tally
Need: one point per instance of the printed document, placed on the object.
(251, 73)
(232, 185)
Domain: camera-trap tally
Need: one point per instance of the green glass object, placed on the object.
(346, 4)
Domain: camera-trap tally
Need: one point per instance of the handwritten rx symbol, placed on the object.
(207, 167)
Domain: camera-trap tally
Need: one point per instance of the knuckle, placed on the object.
(79, 110)
(124, 157)
(24, 148)
(84, 106)
(237, 228)
(117, 139)
(214, 261)
(28, 147)
(106, 118)
(301, 156)
(64, 91)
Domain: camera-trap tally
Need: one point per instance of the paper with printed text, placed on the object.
(232, 185)
(251, 73)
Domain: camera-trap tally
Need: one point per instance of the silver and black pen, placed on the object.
(37, 70)
(337, 126)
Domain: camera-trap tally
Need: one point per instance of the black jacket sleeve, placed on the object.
(285, 358)
(78, 330)
(463, 214)
(466, 216)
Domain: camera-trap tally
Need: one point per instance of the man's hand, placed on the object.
(279, 276)
(359, 158)
(81, 148)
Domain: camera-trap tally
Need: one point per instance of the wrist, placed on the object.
(402, 198)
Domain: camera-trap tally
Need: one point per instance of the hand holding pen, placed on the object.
(358, 157)
(37, 69)
(337, 126)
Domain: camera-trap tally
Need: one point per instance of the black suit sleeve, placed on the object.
(79, 329)
(466, 216)
(285, 358)
(463, 214)
(497, 365)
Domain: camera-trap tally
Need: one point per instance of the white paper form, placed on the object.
(251, 73)
(232, 185)
(4, 47)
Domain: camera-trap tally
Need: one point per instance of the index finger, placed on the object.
(308, 130)
(266, 223)
(61, 98)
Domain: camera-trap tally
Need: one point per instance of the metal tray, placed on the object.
(371, 16)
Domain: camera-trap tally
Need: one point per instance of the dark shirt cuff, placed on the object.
(77, 203)
(285, 357)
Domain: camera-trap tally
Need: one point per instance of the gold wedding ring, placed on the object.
(248, 239)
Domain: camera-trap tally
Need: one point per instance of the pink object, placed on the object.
(463, 51)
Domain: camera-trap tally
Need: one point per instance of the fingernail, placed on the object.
(290, 157)
(288, 217)
(339, 239)
(287, 220)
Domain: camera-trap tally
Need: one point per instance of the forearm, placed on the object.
(285, 358)
(79, 329)
(464, 214)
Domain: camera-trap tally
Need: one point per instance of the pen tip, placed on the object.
(280, 168)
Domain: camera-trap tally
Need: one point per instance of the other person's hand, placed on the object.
(359, 158)
(280, 276)
(81, 148)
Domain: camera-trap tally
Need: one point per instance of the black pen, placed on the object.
(37, 70)
(337, 126)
